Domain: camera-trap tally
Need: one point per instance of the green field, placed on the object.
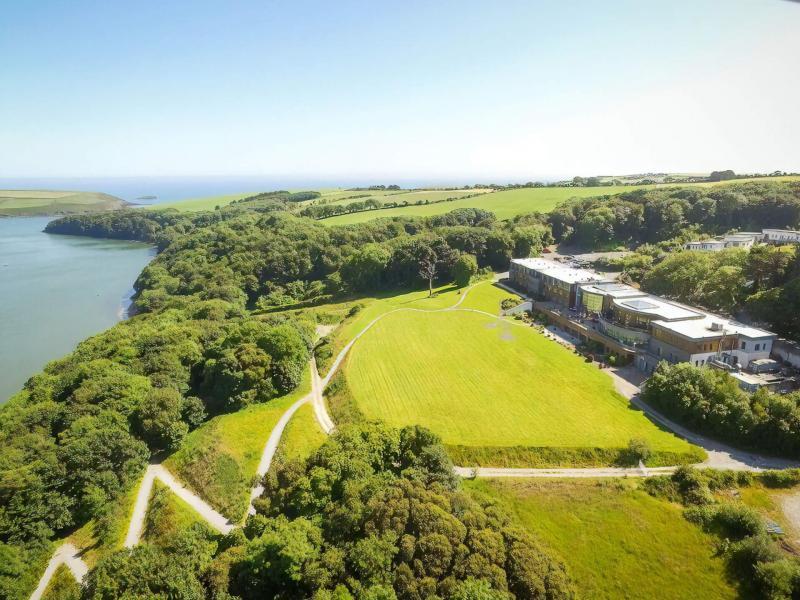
(200, 204)
(30, 203)
(302, 435)
(509, 203)
(617, 541)
(410, 196)
(218, 460)
(485, 383)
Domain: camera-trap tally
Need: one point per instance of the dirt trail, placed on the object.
(65, 554)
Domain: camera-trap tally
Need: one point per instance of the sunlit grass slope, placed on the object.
(484, 382)
(616, 540)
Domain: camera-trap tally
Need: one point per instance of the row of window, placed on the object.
(743, 346)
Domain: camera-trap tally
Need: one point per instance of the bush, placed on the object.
(781, 479)
(638, 450)
(735, 521)
(509, 303)
(748, 553)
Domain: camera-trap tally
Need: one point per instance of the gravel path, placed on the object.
(136, 526)
(65, 554)
(790, 505)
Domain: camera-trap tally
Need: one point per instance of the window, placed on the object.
(758, 347)
(744, 346)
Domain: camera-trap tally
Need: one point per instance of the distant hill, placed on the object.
(28, 203)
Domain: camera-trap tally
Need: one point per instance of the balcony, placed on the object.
(629, 336)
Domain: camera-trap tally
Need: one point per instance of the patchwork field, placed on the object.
(617, 541)
(218, 460)
(509, 203)
(410, 196)
(15, 203)
(489, 387)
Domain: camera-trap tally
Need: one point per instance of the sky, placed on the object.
(458, 90)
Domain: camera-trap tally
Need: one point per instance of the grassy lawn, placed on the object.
(167, 515)
(218, 460)
(199, 204)
(617, 541)
(372, 307)
(62, 586)
(44, 202)
(486, 297)
(487, 383)
(302, 435)
(509, 203)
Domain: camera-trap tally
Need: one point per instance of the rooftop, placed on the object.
(698, 329)
(613, 289)
(658, 307)
(558, 271)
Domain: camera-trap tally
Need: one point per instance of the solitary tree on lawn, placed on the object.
(427, 270)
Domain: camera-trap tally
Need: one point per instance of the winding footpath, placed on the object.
(719, 455)
(65, 554)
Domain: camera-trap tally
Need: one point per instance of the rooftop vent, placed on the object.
(715, 326)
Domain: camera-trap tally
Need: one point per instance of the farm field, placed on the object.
(218, 460)
(200, 204)
(616, 540)
(410, 196)
(486, 385)
(30, 203)
(302, 435)
(507, 204)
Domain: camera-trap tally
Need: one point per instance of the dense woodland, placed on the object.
(375, 513)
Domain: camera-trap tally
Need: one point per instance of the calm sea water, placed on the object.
(55, 291)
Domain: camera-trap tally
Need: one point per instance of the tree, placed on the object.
(427, 270)
(465, 268)
(363, 269)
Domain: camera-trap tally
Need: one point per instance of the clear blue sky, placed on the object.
(507, 90)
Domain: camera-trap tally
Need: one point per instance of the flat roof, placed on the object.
(558, 271)
(613, 289)
(698, 329)
(782, 231)
(658, 307)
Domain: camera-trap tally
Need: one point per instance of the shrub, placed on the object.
(509, 303)
(749, 552)
(735, 521)
(638, 450)
(781, 479)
